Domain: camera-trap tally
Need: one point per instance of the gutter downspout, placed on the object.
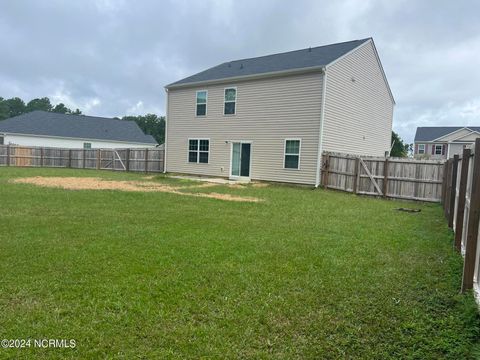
(320, 132)
(166, 132)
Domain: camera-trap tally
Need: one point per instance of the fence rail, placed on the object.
(388, 177)
(144, 160)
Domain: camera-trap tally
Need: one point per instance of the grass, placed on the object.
(304, 274)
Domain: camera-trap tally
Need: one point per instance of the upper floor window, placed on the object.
(292, 154)
(421, 148)
(87, 145)
(198, 150)
(201, 103)
(438, 149)
(230, 101)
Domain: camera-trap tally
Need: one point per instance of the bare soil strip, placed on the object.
(92, 183)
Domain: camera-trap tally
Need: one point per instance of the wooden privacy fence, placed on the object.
(398, 178)
(146, 160)
(461, 205)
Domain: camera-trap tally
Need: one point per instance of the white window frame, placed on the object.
(421, 151)
(230, 101)
(285, 152)
(198, 151)
(206, 103)
(441, 149)
(87, 148)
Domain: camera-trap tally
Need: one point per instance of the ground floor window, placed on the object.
(421, 148)
(87, 145)
(438, 149)
(2, 140)
(198, 150)
(292, 154)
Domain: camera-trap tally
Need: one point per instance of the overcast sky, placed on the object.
(111, 58)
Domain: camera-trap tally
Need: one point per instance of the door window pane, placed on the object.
(236, 159)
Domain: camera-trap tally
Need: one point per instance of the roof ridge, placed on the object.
(292, 51)
(76, 115)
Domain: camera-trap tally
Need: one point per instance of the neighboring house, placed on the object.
(271, 117)
(48, 129)
(443, 142)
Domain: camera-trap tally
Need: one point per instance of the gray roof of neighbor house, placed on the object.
(292, 60)
(75, 126)
(430, 133)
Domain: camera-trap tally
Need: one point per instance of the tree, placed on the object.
(39, 104)
(150, 124)
(4, 111)
(61, 109)
(399, 148)
(16, 107)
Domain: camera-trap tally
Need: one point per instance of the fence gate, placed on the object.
(364, 168)
(399, 178)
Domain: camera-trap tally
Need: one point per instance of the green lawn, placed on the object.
(303, 274)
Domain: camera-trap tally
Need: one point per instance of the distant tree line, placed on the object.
(150, 124)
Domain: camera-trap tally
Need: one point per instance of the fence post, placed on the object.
(444, 183)
(356, 174)
(462, 190)
(98, 159)
(42, 155)
(83, 157)
(146, 160)
(8, 155)
(69, 158)
(446, 204)
(473, 219)
(325, 171)
(127, 160)
(385, 177)
(453, 191)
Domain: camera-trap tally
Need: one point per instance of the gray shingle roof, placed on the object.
(305, 58)
(430, 133)
(75, 126)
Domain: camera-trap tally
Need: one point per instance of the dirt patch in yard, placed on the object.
(92, 183)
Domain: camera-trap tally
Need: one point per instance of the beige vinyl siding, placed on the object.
(454, 135)
(358, 114)
(268, 111)
(455, 149)
(470, 137)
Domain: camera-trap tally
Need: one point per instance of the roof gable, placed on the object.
(470, 137)
(42, 123)
(293, 60)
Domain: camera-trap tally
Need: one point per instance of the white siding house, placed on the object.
(270, 118)
(47, 129)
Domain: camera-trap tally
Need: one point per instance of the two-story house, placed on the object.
(271, 117)
(443, 142)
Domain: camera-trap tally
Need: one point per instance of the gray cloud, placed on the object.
(112, 58)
